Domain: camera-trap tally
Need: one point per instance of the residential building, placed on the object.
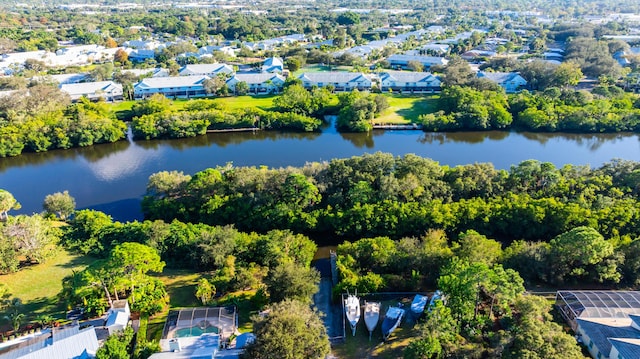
(511, 82)
(107, 90)
(273, 64)
(140, 55)
(157, 72)
(210, 49)
(118, 316)
(402, 81)
(259, 83)
(606, 322)
(199, 333)
(341, 81)
(402, 61)
(62, 79)
(54, 343)
(171, 87)
(210, 70)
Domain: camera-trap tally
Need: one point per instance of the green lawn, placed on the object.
(405, 109)
(38, 286)
(361, 347)
(264, 102)
(321, 68)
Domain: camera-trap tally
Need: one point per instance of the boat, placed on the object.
(371, 316)
(436, 296)
(418, 304)
(392, 319)
(352, 311)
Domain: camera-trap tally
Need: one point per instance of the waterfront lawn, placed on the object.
(405, 109)
(264, 102)
(38, 286)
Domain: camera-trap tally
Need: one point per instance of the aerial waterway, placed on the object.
(113, 177)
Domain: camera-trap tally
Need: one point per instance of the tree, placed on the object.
(242, 88)
(536, 336)
(121, 56)
(457, 73)
(110, 43)
(292, 281)
(34, 237)
(13, 308)
(476, 248)
(133, 261)
(60, 204)
(294, 64)
(415, 66)
(583, 253)
(7, 203)
(205, 291)
(291, 330)
(214, 85)
(348, 18)
(118, 346)
(567, 73)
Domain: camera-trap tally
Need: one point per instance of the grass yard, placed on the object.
(264, 102)
(360, 346)
(405, 109)
(38, 286)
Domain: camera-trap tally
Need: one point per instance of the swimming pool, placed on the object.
(195, 331)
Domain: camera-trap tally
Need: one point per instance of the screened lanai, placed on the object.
(193, 322)
(597, 304)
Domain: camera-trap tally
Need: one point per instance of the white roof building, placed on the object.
(107, 90)
(173, 87)
(273, 64)
(56, 343)
(341, 81)
(259, 83)
(206, 69)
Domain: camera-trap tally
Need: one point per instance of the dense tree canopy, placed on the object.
(290, 330)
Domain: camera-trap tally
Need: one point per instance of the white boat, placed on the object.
(352, 311)
(371, 316)
(418, 304)
(391, 321)
(436, 296)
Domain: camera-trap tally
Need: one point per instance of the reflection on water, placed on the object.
(115, 175)
(461, 137)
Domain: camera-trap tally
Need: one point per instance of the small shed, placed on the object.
(118, 316)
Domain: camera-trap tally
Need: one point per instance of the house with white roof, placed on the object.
(157, 72)
(171, 87)
(402, 61)
(210, 49)
(273, 64)
(140, 55)
(210, 70)
(402, 81)
(259, 83)
(341, 81)
(54, 343)
(118, 316)
(61, 79)
(511, 82)
(107, 90)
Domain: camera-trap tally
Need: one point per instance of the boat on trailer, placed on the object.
(418, 304)
(371, 316)
(391, 321)
(352, 311)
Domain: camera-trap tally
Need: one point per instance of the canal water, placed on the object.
(113, 177)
